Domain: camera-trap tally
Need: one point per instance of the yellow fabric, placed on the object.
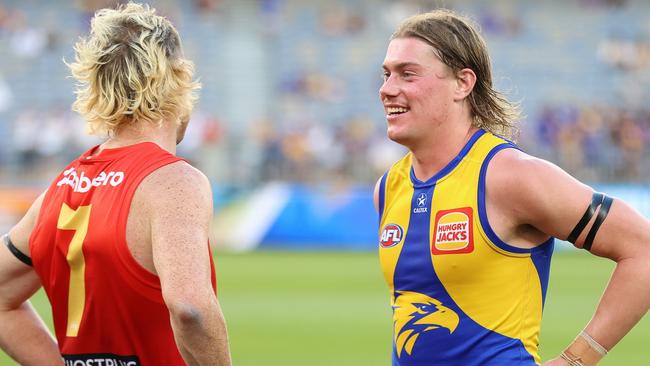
(499, 289)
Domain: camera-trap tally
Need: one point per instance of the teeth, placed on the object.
(393, 110)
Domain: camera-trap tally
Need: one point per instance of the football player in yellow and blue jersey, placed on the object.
(467, 219)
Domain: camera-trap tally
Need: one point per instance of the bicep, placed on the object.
(18, 281)
(549, 199)
(623, 232)
(20, 233)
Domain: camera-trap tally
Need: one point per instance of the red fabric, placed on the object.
(124, 313)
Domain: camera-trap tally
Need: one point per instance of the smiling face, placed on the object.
(418, 92)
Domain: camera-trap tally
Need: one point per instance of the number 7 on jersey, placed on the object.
(76, 220)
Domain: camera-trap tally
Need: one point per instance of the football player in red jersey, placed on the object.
(119, 241)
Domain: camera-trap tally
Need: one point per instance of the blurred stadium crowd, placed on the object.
(290, 87)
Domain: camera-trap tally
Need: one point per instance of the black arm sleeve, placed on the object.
(602, 213)
(596, 200)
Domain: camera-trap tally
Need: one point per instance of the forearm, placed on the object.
(625, 301)
(22, 332)
(201, 335)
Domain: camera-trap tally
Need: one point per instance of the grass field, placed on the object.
(325, 308)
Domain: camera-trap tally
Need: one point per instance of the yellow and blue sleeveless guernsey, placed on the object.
(460, 295)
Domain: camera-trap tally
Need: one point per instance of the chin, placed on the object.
(401, 138)
(394, 135)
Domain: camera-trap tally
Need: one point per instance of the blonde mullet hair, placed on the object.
(131, 68)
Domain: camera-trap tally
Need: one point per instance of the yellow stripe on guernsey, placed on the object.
(392, 236)
(500, 279)
(441, 259)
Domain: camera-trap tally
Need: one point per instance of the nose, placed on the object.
(389, 88)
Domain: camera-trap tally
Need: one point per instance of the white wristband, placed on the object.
(595, 345)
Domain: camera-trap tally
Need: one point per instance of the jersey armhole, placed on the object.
(540, 255)
(137, 274)
(382, 195)
(482, 210)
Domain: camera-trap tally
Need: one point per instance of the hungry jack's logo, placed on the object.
(453, 232)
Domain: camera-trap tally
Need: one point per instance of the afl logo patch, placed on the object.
(391, 235)
(453, 232)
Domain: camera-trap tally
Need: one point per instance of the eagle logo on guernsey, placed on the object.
(415, 313)
(391, 235)
(453, 232)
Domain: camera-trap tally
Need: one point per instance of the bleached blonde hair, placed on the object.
(131, 68)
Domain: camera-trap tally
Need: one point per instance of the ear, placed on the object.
(465, 80)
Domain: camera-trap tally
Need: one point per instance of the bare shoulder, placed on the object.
(515, 166)
(178, 173)
(534, 191)
(173, 199)
(375, 195)
(178, 183)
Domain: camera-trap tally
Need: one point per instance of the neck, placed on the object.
(164, 136)
(440, 148)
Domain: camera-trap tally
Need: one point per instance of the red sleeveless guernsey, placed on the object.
(107, 309)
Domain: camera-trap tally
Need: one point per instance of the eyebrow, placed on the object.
(403, 65)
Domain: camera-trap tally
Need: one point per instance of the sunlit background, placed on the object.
(291, 133)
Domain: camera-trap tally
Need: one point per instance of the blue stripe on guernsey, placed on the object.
(541, 257)
(482, 212)
(414, 269)
(452, 164)
(431, 328)
(382, 193)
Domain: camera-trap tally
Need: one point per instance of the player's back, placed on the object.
(106, 306)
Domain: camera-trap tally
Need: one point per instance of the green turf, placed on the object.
(317, 309)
